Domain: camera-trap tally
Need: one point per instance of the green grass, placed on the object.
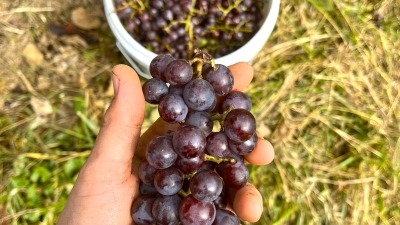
(326, 94)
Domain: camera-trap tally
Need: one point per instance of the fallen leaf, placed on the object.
(32, 55)
(82, 19)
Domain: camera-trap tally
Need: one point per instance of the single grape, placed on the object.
(158, 4)
(225, 217)
(239, 125)
(178, 72)
(146, 172)
(217, 145)
(147, 189)
(172, 108)
(160, 153)
(141, 210)
(234, 175)
(154, 90)
(201, 120)
(158, 65)
(189, 141)
(189, 165)
(166, 210)
(206, 185)
(221, 79)
(236, 100)
(198, 95)
(193, 211)
(244, 148)
(168, 181)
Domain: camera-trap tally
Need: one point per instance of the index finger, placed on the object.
(242, 75)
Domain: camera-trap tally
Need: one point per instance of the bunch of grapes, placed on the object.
(179, 26)
(186, 174)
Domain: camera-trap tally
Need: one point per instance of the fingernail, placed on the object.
(115, 81)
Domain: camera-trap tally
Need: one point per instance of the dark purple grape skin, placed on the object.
(166, 210)
(172, 108)
(206, 185)
(201, 120)
(178, 72)
(236, 100)
(208, 165)
(239, 125)
(225, 217)
(217, 145)
(146, 172)
(222, 200)
(221, 79)
(168, 181)
(147, 189)
(191, 165)
(244, 148)
(158, 65)
(176, 90)
(160, 153)
(141, 210)
(235, 175)
(213, 105)
(198, 95)
(154, 90)
(193, 211)
(189, 141)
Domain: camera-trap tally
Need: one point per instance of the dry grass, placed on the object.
(326, 94)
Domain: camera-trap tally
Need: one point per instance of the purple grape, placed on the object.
(168, 181)
(189, 165)
(141, 210)
(198, 95)
(239, 125)
(166, 210)
(234, 175)
(158, 65)
(244, 148)
(225, 217)
(217, 145)
(236, 100)
(193, 211)
(189, 141)
(160, 153)
(206, 185)
(172, 108)
(146, 172)
(221, 79)
(201, 120)
(178, 72)
(154, 90)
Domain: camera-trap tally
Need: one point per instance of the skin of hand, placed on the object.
(108, 183)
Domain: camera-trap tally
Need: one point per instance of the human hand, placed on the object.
(108, 182)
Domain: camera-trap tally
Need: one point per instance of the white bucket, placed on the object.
(139, 57)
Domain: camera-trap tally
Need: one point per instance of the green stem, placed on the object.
(183, 193)
(218, 160)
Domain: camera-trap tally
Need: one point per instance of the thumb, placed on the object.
(120, 131)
